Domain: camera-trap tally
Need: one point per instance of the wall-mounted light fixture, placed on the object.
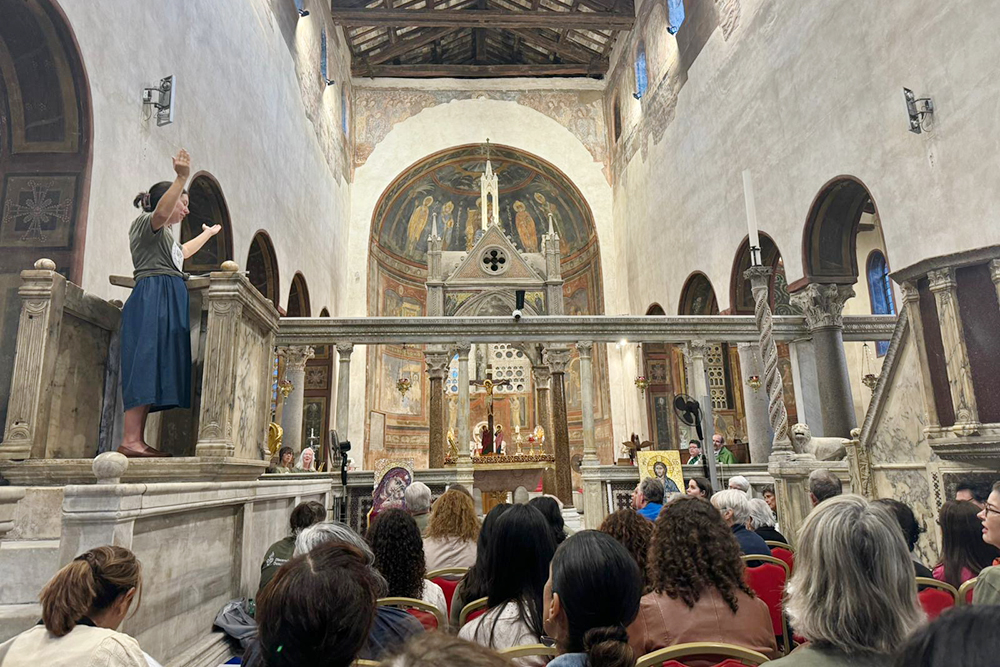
(303, 13)
(301, 8)
(161, 97)
(920, 110)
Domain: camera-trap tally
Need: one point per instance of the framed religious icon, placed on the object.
(392, 476)
(665, 465)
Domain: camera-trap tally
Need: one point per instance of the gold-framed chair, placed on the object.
(780, 545)
(365, 663)
(457, 572)
(419, 605)
(770, 587)
(529, 650)
(472, 608)
(680, 652)
(965, 591)
(936, 596)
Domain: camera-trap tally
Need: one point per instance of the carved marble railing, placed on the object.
(65, 369)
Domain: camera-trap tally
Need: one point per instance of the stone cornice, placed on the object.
(563, 329)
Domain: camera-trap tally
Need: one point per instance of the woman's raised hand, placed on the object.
(213, 230)
(182, 164)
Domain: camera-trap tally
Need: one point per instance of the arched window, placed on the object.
(344, 110)
(617, 118)
(262, 266)
(880, 290)
(641, 76)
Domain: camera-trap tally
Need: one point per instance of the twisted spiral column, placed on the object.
(759, 277)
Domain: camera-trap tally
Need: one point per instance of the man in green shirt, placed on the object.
(722, 453)
(304, 515)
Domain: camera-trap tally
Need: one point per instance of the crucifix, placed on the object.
(489, 385)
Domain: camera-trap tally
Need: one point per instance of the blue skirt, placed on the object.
(156, 345)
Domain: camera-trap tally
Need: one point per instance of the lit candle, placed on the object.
(751, 217)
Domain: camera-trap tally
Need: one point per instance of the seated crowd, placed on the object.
(670, 571)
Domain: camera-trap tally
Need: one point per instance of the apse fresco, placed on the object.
(448, 185)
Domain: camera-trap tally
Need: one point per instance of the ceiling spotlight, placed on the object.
(920, 110)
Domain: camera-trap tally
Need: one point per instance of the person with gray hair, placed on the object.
(740, 483)
(418, 503)
(762, 521)
(735, 509)
(392, 627)
(852, 593)
(823, 485)
(647, 499)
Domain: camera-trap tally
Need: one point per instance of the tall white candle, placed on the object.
(751, 211)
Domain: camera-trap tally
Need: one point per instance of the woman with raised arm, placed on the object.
(155, 337)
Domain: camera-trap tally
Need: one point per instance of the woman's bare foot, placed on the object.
(140, 450)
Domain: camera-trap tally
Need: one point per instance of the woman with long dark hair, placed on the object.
(964, 554)
(520, 551)
(473, 585)
(399, 556)
(591, 597)
(155, 326)
(550, 509)
(699, 487)
(82, 607)
(698, 591)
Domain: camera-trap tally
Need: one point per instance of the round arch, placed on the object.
(829, 242)
(655, 309)
(262, 267)
(325, 312)
(698, 296)
(298, 297)
(207, 207)
(740, 297)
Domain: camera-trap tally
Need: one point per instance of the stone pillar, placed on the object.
(995, 275)
(943, 286)
(823, 306)
(697, 381)
(462, 437)
(558, 359)
(295, 372)
(593, 507)
(344, 351)
(755, 403)
(437, 368)
(911, 302)
(542, 378)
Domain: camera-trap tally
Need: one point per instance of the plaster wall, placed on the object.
(472, 119)
(800, 93)
(251, 108)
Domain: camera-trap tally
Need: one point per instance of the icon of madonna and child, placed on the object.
(391, 479)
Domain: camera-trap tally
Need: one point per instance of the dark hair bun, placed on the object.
(139, 200)
(608, 647)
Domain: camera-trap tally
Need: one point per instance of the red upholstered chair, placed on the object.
(965, 591)
(447, 578)
(472, 611)
(767, 576)
(936, 596)
(680, 654)
(429, 616)
(784, 552)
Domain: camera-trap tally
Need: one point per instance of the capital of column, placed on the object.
(462, 349)
(585, 348)
(823, 304)
(541, 376)
(296, 356)
(694, 349)
(437, 364)
(910, 292)
(941, 280)
(344, 350)
(759, 277)
(558, 358)
(995, 271)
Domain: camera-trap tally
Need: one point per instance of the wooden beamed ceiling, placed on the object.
(482, 38)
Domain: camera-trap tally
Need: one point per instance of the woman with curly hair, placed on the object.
(698, 593)
(634, 533)
(399, 556)
(450, 540)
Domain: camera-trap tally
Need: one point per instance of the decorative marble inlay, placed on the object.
(38, 211)
(943, 285)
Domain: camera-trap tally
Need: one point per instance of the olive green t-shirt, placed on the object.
(154, 252)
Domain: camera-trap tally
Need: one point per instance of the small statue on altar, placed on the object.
(486, 441)
(452, 446)
(498, 440)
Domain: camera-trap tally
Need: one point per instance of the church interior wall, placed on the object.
(783, 89)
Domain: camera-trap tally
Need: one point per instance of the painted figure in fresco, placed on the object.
(472, 225)
(498, 440)
(447, 225)
(486, 439)
(561, 229)
(389, 494)
(525, 227)
(418, 222)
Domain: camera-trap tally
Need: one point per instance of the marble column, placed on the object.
(295, 372)
(542, 378)
(697, 382)
(437, 368)
(558, 359)
(344, 351)
(995, 275)
(911, 302)
(823, 306)
(463, 436)
(594, 509)
(755, 403)
(943, 286)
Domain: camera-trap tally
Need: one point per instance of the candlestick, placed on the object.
(751, 218)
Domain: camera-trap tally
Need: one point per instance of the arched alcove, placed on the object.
(262, 267)
(829, 243)
(698, 296)
(663, 368)
(298, 298)
(741, 298)
(207, 207)
(46, 132)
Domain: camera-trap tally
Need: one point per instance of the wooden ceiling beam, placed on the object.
(402, 47)
(567, 50)
(490, 18)
(478, 71)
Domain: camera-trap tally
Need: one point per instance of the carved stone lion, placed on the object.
(824, 449)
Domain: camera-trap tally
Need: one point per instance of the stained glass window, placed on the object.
(641, 76)
(880, 290)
